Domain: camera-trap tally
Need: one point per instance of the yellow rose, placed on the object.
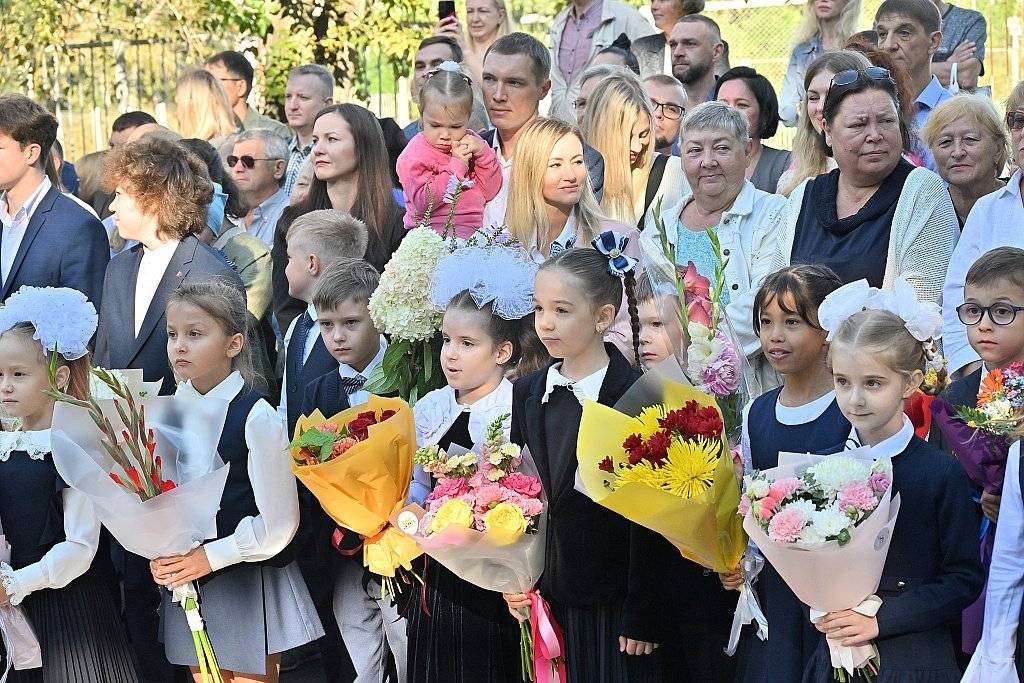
(454, 512)
(505, 523)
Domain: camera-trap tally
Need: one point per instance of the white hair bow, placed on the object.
(923, 319)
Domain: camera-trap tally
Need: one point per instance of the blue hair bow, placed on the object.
(611, 244)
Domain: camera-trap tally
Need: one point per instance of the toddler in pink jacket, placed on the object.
(445, 154)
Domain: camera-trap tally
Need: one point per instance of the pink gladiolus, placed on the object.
(786, 525)
(860, 496)
(694, 283)
(784, 488)
(522, 483)
(880, 482)
(698, 310)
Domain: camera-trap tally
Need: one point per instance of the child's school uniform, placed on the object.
(54, 532)
(604, 576)
(1000, 653)
(306, 359)
(768, 428)
(460, 632)
(962, 392)
(371, 628)
(255, 603)
(426, 173)
(932, 571)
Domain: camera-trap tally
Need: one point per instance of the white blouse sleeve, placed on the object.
(994, 658)
(265, 535)
(65, 561)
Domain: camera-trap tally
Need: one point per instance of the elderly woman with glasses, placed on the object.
(715, 151)
(876, 216)
(994, 221)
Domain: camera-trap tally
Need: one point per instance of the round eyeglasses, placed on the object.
(1000, 313)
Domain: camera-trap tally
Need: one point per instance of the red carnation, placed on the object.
(632, 443)
(658, 447)
(640, 453)
(693, 420)
(606, 464)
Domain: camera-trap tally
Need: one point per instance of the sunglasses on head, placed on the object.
(851, 76)
(1015, 119)
(247, 161)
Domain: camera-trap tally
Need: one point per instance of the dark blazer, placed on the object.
(116, 347)
(64, 246)
(325, 393)
(593, 555)
(593, 159)
(962, 392)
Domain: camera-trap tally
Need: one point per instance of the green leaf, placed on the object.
(314, 440)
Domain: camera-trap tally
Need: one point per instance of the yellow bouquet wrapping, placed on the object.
(689, 492)
(362, 478)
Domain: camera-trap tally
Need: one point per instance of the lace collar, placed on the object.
(437, 411)
(35, 443)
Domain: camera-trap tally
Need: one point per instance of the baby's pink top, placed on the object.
(421, 165)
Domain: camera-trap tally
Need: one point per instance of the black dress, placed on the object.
(459, 632)
(932, 572)
(78, 627)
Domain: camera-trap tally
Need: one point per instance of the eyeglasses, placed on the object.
(670, 111)
(1015, 119)
(247, 161)
(847, 78)
(999, 313)
(579, 104)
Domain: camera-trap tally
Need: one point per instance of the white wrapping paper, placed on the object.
(20, 641)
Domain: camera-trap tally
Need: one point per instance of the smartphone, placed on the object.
(445, 8)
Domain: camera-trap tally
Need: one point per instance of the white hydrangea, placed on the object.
(835, 472)
(401, 305)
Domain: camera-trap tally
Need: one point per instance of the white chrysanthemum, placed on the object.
(999, 410)
(883, 466)
(830, 521)
(758, 488)
(805, 506)
(811, 535)
(401, 305)
(64, 319)
(835, 472)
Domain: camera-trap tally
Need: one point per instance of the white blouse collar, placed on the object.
(437, 411)
(894, 445)
(226, 390)
(35, 443)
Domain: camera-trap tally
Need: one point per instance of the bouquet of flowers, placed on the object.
(824, 523)
(19, 638)
(485, 522)
(660, 458)
(712, 359)
(358, 464)
(156, 480)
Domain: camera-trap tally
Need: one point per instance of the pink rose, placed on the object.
(880, 482)
(786, 525)
(860, 496)
(522, 483)
(744, 506)
(722, 375)
(781, 489)
(451, 487)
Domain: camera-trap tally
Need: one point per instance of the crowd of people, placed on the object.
(234, 256)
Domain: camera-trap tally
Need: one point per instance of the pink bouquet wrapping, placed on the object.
(485, 522)
(20, 641)
(825, 523)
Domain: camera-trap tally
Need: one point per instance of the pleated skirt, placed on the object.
(468, 636)
(250, 611)
(592, 648)
(80, 634)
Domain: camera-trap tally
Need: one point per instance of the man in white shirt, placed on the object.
(310, 88)
(258, 162)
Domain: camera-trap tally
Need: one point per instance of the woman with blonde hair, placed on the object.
(202, 108)
(551, 206)
(826, 25)
(809, 158)
(486, 21)
(635, 177)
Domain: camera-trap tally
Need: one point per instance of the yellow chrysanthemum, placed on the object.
(690, 468)
(641, 473)
(646, 423)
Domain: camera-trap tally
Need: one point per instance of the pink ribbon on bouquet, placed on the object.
(548, 643)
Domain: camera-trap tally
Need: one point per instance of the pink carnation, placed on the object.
(860, 496)
(451, 487)
(532, 507)
(487, 494)
(766, 508)
(435, 502)
(781, 489)
(522, 483)
(787, 525)
(744, 507)
(478, 479)
(880, 482)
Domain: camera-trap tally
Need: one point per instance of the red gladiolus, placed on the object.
(133, 474)
(117, 480)
(606, 464)
(166, 485)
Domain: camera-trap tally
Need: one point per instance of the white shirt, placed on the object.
(586, 389)
(72, 557)
(787, 415)
(358, 398)
(565, 240)
(437, 412)
(993, 659)
(494, 210)
(151, 271)
(314, 334)
(891, 447)
(997, 220)
(14, 227)
(270, 475)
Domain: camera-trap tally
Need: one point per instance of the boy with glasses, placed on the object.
(669, 100)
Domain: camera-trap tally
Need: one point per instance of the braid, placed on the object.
(629, 284)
